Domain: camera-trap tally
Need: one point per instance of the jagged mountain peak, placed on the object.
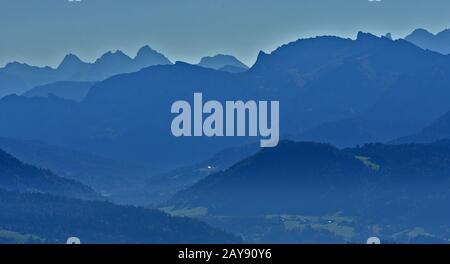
(145, 51)
(118, 54)
(70, 60)
(146, 56)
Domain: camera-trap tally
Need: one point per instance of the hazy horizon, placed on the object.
(189, 30)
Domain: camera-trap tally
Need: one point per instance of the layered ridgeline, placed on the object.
(129, 111)
(330, 89)
(310, 192)
(77, 90)
(40, 207)
(17, 176)
(41, 218)
(19, 77)
(119, 181)
(439, 42)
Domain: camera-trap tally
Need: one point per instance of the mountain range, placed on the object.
(19, 77)
(346, 91)
(439, 42)
(41, 207)
(107, 125)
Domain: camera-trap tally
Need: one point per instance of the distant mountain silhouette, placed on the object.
(111, 63)
(413, 98)
(17, 176)
(40, 218)
(75, 91)
(147, 56)
(19, 78)
(426, 40)
(373, 80)
(71, 64)
(24, 77)
(223, 62)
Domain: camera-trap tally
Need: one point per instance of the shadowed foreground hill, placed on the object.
(315, 193)
(120, 181)
(293, 177)
(53, 219)
(316, 179)
(17, 176)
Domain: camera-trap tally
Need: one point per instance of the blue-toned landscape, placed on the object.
(86, 148)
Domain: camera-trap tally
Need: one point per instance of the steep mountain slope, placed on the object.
(49, 219)
(15, 175)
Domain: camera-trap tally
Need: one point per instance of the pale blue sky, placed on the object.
(41, 32)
